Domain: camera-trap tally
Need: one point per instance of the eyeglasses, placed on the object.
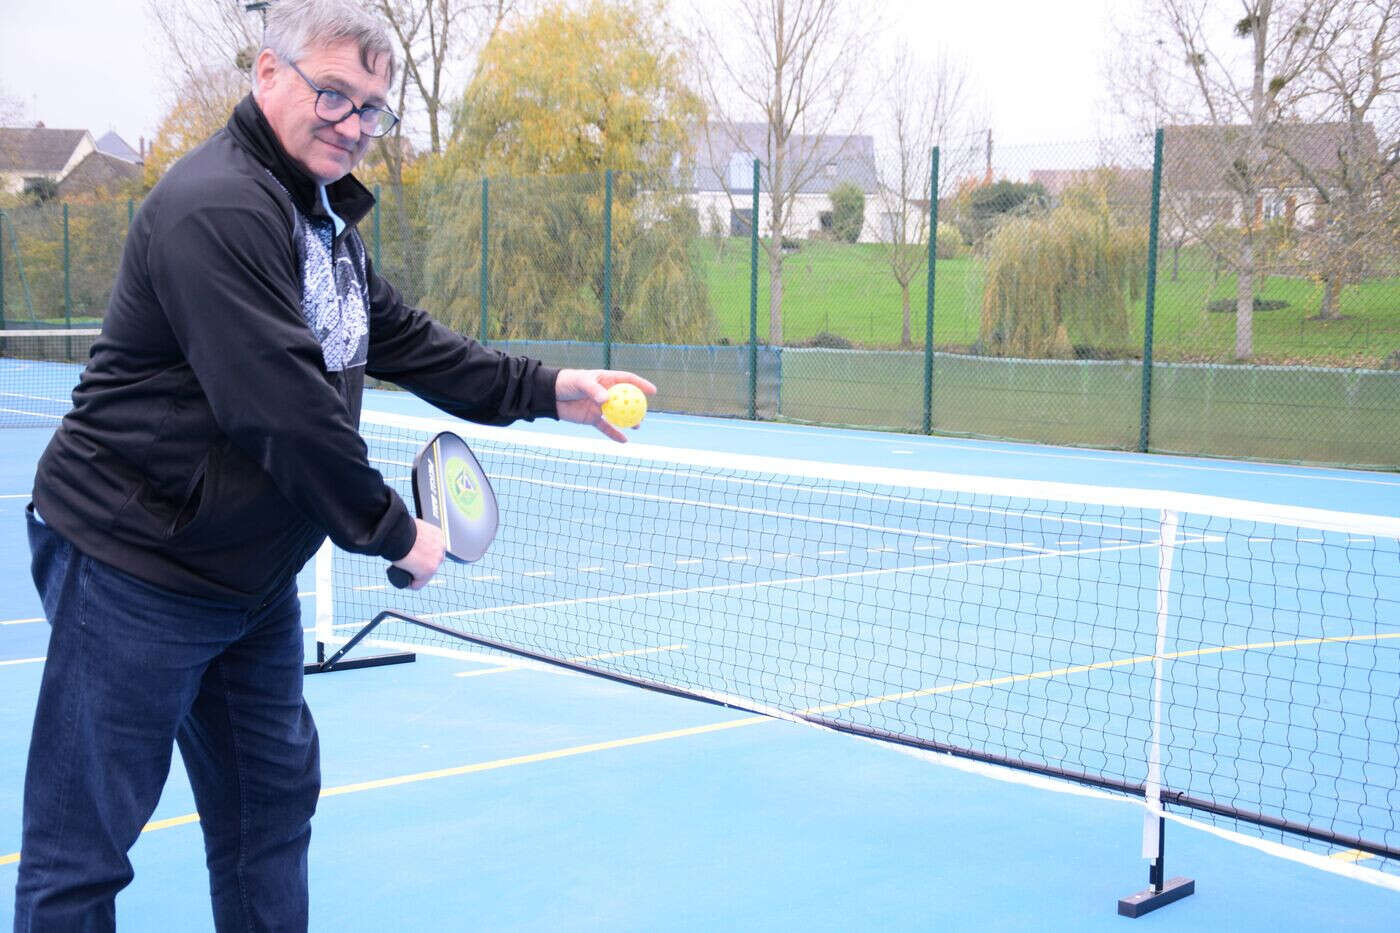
(333, 107)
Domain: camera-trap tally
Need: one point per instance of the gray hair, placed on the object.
(294, 26)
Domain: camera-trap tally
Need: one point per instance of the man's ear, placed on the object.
(264, 70)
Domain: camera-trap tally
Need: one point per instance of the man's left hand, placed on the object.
(579, 395)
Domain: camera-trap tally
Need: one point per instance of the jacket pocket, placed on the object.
(199, 496)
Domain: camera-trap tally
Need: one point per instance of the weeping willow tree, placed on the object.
(557, 100)
(1061, 279)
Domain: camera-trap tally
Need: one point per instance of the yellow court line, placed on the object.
(544, 756)
(536, 758)
(754, 720)
(1351, 855)
(1097, 666)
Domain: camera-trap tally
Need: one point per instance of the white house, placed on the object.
(71, 159)
(722, 189)
(1200, 165)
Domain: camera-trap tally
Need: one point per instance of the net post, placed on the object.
(607, 268)
(753, 298)
(928, 300)
(325, 596)
(1154, 222)
(325, 624)
(1158, 893)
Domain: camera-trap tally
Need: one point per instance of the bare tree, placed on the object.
(1229, 88)
(796, 63)
(1356, 85)
(197, 38)
(11, 109)
(925, 105)
(434, 35)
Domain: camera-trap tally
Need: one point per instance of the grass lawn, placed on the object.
(849, 290)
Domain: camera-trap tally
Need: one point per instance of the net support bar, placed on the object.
(1158, 893)
(325, 621)
(1168, 796)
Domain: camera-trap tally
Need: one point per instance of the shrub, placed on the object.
(1059, 280)
(951, 244)
(1228, 305)
(847, 212)
(829, 341)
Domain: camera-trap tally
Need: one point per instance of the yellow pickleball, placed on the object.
(626, 405)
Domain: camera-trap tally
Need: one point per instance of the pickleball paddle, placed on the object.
(451, 491)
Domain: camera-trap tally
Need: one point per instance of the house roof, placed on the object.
(1120, 184)
(97, 171)
(114, 145)
(37, 148)
(724, 153)
(1202, 158)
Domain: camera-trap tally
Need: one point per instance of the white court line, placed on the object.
(942, 505)
(792, 516)
(21, 661)
(31, 414)
(936, 444)
(756, 584)
(531, 665)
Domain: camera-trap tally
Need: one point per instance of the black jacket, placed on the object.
(213, 440)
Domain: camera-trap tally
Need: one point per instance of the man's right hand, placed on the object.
(425, 557)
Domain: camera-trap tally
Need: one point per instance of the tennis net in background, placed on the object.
(1025, 624)
(38, 371)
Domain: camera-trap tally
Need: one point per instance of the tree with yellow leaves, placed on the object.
(567, 94)
(198, 109)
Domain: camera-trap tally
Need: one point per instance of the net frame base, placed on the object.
(1149, 899)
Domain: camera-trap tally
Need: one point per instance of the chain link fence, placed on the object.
(1268, 314)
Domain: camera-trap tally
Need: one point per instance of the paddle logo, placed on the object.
(464, 490)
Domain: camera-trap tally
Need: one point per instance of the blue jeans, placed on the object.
(133, 669)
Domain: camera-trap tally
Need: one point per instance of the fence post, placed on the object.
(607, 268)
(378, 266)
(1153, 223)
(2, 269)
(928, 309)
(67, 266)
(753, 299)
(485, 224)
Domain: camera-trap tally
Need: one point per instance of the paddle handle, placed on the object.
(399, 577)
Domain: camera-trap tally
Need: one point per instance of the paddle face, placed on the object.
(451, 491)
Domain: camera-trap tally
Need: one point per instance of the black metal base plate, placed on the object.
(1147, 901)
(373, 660)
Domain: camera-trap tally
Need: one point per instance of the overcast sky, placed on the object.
(1039, 65)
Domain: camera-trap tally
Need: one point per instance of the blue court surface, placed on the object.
(469, 791)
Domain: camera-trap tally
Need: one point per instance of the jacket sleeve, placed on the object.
(449, 370)
(232, 294)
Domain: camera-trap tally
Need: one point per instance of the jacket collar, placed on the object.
(349, 199)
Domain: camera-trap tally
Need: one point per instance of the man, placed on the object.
(211, 448)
